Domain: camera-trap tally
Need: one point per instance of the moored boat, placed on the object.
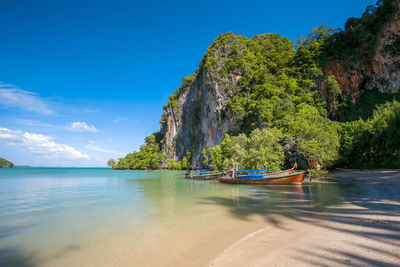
(255, 173)
(259, 173)
(202, 175)
(283, 177)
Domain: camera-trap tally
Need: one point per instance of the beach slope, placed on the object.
(364, 230)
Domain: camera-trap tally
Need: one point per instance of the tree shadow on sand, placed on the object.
(372, 194)
(15, 257)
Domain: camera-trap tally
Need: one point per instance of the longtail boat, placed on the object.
(202, 175)
(283, 177)
(259, 173)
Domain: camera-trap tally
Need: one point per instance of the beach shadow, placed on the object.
(14, 257)
(372, 194)
(346, 258)
(299, 202)
(292, 201)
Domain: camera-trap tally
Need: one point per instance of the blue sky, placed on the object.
(85, 81)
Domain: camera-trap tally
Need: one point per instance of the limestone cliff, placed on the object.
(276, 79)
(197, 115)
(379, 69)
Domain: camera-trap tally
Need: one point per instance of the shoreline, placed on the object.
(349, 218)
(363, 231)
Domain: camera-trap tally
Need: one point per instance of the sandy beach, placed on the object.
(361, 230)
(356, 226)
(350, 217)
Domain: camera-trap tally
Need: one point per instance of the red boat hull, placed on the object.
(296, 178)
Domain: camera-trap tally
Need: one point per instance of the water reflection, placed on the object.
(168, 194)
(285, 200)
(235, 196)
(60, 208)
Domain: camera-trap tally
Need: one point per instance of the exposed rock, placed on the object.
(198, 116)
(381, 70)
(294, 155)
(201, 117)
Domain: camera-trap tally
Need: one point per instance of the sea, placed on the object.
(104, 217)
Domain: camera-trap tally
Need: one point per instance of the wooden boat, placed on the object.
(249, 172)
(283, 177)
(202, 175)
(258, 173)
(255, 173)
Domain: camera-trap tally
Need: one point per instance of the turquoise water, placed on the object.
(51, 216)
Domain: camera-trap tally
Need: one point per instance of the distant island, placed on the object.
(5, 163)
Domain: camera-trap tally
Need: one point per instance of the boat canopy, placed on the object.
(250, 171)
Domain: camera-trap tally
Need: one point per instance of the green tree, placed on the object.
(375, 142)
(333, 89)
(317, 136)
(186, 163)
(5, 163)
(271, 84)
(249, 151)
(148, 157)
(110, 162)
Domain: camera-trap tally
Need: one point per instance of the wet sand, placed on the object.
(363, 229)
(348, 218)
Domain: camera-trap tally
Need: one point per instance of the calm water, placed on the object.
(62, 216)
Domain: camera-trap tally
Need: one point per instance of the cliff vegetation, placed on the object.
(267, 99)
(5, 163)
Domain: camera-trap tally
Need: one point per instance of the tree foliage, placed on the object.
(249, 151)
(5, 163)
(375, 142)
(148, 157)
(358, 39)
(333, 89)
(317, 136)
(273, 76)
(111, 162)
(272, 91)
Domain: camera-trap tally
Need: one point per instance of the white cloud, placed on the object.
(14, 97)
(40, 144)
(78, 126)
(94, 147)
(119, 119)
(34, 123)
(72, 126)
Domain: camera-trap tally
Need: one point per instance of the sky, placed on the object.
(85, 81)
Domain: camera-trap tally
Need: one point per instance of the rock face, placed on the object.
(380, 70)
(293, 155)
(199, 116)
